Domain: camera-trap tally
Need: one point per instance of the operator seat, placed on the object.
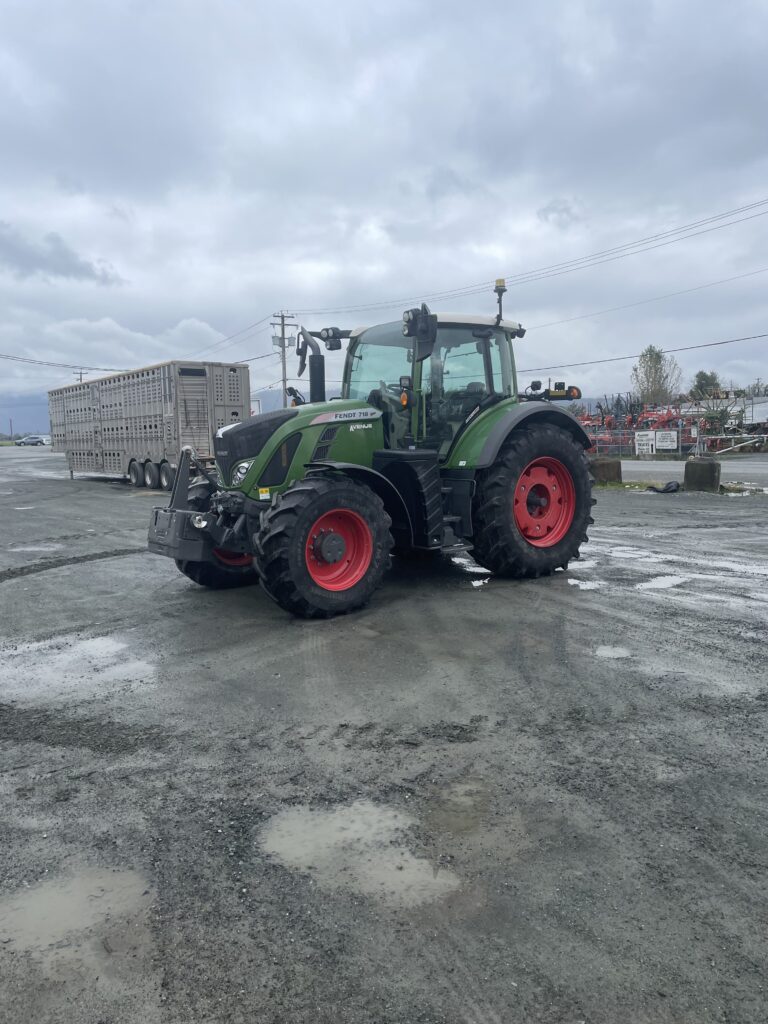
(457, 406)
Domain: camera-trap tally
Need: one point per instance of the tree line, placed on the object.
(657, 380)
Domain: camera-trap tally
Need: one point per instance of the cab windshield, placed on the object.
(380, 357)
(468, 366)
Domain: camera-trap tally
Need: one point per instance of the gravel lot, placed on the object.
(476, 802)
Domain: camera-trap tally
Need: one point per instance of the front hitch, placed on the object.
(188, 534)
(181, 484)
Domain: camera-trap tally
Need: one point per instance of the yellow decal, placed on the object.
(263, 493)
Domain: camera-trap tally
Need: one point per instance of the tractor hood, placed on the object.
(246, 440)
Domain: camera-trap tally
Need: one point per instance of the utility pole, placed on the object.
(79, 374)
(282, 316)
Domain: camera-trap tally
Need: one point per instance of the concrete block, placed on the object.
(605, 470)
(702, 475)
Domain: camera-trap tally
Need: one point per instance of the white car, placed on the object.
(31, 439)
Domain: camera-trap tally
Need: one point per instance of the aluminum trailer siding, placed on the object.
(146, 417)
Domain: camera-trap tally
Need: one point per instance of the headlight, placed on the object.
(239, 472)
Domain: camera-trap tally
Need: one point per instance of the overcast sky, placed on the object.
(174, 171)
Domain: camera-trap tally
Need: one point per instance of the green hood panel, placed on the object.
(344, 431)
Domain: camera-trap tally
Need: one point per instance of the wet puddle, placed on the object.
(586, 584)
(53, 912)
(59, 666)
(460, 807)
(37, 548)
(469, 566)
(613, 652)
(661, 583)
(359, 848)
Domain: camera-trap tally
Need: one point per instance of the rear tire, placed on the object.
(532, 508)
(351, 524)
(167, 476)
(136, 474)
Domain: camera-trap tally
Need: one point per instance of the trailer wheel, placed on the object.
(533, 507)
(136, 474)
(151, 475)
(167, 476)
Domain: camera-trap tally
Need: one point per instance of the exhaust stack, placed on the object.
(316, 365)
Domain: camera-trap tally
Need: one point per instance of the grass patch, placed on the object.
(742, 489)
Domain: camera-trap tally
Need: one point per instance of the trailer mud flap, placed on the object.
(172, 534)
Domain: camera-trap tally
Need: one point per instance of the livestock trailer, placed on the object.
(136, 423)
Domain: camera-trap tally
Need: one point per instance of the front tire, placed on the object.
(226, 573)
(323, 546)
(532, 507)
(226, 569)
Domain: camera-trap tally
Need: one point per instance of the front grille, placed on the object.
(323, 446)
(277, 468)
(246, 440)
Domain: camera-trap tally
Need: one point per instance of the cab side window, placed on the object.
(462, 371)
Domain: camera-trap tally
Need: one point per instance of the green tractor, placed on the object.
(429, 448)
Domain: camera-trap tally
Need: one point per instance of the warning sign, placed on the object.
(666, 440)
(645, 442)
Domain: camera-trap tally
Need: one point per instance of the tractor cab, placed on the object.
(430, 387)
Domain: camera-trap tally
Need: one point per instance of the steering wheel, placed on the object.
(390, 394)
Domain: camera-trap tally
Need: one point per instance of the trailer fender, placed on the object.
(393, 502)
(525, 413)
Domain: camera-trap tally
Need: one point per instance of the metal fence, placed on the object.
(621, 444)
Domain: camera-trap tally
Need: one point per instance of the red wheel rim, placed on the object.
(232, 559)
(544, 502)
(339, 549)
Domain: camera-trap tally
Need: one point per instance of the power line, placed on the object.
(100, 369)
(617, 359)
(643, 302)
(63, 366)
(659, 239)
(252, 359)
(666, 351)
(230, 337)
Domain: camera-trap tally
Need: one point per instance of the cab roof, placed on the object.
(454, 320)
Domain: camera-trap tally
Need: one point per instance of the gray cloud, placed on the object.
(51, 257)
(388, 150)
(559, 212)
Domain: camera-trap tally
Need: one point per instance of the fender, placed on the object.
(389, 494)
(522, 413)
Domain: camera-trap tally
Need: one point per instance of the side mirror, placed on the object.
(421, 325)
